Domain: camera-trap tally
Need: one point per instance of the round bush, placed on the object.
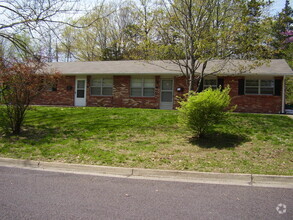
(201, 111)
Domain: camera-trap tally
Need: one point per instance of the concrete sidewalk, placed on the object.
(166, 175)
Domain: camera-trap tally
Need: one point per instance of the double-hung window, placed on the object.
(142, 87)
(210, 83)
(259, 87)
(101, 86)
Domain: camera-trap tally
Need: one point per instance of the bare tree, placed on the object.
(35, 17)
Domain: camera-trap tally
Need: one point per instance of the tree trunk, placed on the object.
(191, 83)
(16, 129)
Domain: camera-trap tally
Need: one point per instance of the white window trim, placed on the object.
(142, 86)
(259, 87)
(101, 85)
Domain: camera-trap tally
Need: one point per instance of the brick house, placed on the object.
(157, 84)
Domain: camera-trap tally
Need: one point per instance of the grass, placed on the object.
(246, 143)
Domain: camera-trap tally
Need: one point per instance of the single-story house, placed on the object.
(158, 84)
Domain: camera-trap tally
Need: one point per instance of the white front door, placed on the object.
(166, 94)
(80, 91)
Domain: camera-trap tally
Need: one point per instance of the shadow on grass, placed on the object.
(33, 135)
(219, 140)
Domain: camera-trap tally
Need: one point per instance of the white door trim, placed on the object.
(80, 101)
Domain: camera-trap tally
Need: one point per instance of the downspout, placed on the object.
(283, 95)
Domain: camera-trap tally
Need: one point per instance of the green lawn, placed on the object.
(247, 143)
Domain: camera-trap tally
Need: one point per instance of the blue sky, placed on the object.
(278, 5)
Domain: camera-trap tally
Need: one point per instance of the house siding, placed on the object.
(121, 95)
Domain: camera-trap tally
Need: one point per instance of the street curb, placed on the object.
(138, 173)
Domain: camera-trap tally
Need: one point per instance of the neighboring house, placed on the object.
(158, 84)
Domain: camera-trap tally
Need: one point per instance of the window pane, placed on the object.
(107, 82)
(136, 83)
(95, 90)
(80, 84)
(251, 82)
(136, 92)
(251, 90)
(149, 83)
(166, 97)
(107, 91)
(167, 84)
(267, 83)
(210, 82)
(96, 82)
(80, 93)
(148, 92)
(267, 91)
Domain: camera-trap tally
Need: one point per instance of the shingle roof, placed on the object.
(232, 67)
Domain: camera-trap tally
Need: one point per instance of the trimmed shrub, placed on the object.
(201, 111)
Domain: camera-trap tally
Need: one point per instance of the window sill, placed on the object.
(143, 97)
(259, 95)
(101, 95)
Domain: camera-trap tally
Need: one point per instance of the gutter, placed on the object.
(252, 180)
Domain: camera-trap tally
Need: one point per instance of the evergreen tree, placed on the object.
(283, 33)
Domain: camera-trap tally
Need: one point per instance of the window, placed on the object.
(210, 83)
(101, 86)
(143, 87)
(259, 87)
(52, 88)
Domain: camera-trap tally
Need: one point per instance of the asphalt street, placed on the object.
(30, 194)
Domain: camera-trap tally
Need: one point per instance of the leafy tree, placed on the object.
(282, 31)
(11, 50)
(98, 41)
(195, 32)
(289, 90)
(21, 83)
(66, 45)
(201, 111)
(125, 31)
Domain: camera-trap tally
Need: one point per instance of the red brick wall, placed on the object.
(121, 96)
(63, 95)
(245, 103)
(179, 82)
(252, 103)
(101, 101)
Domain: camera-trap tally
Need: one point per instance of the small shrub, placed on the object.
(289, 90)
(201, 111)
(21, 82)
